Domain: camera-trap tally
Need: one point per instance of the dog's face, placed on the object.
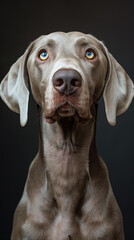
(67, 74)
(61, 57)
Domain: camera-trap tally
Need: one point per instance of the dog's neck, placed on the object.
(65, 147)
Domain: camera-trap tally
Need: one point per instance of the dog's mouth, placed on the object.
(66, 112)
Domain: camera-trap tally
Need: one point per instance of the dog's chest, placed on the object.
(64, 226)
(61, 227)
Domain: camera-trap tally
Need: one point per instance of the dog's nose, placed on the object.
(67, 81)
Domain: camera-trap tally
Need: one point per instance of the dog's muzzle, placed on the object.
(67, 97)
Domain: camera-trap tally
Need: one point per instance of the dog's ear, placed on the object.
(119, 89)
(14, 87)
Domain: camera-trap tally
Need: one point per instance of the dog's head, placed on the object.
(67, 73)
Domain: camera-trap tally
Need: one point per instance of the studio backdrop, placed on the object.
(20, 23)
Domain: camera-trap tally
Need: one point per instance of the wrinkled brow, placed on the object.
(45, 43)
(82, 42)
(50, 43)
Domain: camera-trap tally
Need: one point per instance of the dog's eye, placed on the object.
(90, 54)
(43, 55)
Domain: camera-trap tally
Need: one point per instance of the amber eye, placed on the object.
(90, 54)
(43, 55)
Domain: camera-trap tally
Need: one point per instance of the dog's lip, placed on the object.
(66, 110)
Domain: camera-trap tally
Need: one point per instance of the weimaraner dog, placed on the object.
(67, 193)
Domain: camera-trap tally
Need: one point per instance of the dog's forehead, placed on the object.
(67, 40)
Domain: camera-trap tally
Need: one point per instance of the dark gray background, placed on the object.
(23, 21)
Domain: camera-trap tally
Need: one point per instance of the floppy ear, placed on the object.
(119, 89)
(13, 88)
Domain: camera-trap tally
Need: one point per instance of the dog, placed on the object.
(67, 193)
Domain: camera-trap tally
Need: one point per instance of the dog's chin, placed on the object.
(66, 112)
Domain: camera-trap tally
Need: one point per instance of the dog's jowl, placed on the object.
(67, 193)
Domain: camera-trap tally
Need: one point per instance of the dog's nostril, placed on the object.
(76, 83)
(58, 82)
